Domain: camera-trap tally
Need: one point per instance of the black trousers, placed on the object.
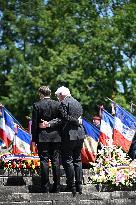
(46, 151)
(71, 160)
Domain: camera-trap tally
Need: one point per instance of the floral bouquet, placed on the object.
(112, 167)
(20, 163)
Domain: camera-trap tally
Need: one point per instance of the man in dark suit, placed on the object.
(72, 137)
(47, 140)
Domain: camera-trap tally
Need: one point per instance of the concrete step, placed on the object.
(26, 190)
(37, 189)
(6, 193)
(17, 179)
(103, 198)
(82, 202)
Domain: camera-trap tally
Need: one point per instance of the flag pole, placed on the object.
(110, 100)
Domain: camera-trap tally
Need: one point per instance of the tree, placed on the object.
(20, 49)
(86, 45)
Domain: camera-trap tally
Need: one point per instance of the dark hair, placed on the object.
(45, 90)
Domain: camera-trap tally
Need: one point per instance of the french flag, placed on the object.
(7, 132)
(124, 128)
(89, 150)
(12, 134)
(106, 128)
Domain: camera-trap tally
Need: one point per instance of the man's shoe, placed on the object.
(79, 189)
(55, 190)
(67, 189)
(44, 189)
(73, 189)
(70, 189)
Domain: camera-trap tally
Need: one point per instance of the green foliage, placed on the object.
(88, 46)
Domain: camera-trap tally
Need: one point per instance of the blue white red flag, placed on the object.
(106, 128)
(124, 128)
(89, 150)
(7, 132)
(11, 133)
(22, 142)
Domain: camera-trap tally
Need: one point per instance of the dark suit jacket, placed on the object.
(46, 109)
(69, 112)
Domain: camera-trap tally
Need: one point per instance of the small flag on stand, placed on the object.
(22, 142)
(106, 128)
(89, 150)
(11, 133)
(7, 132)
(124, 128)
